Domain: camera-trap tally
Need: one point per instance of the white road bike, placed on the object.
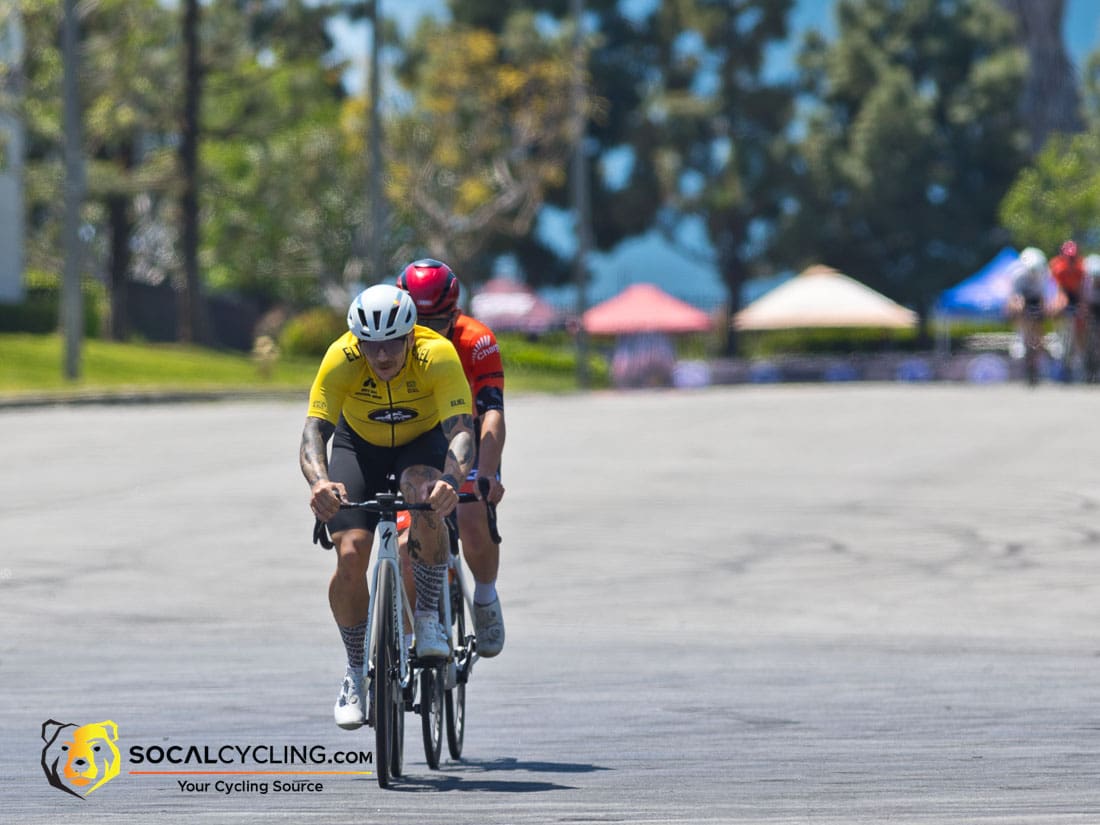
(396, 678)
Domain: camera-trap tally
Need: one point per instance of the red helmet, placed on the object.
(432, 285)
(1069, 249)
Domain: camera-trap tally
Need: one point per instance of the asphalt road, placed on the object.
(846, 604)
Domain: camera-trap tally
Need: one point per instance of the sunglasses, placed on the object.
(391, 347)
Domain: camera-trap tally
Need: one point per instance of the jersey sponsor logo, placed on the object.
(352, 353)
(321, 406)
(393, 415)
(370, 383)
(410, 386)
(487, 375)
(458, 402)
(484, 347)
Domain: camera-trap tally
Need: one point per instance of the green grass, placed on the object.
(33, 364)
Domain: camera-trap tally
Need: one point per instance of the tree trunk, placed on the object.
(118, 266)
(72, 303)
(1051, 102)
(121, 223)
(192, 328)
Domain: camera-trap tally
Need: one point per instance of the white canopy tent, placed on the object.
(822, 297)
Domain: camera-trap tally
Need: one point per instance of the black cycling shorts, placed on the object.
(362, 468)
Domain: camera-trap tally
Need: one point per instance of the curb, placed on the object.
(131, 397)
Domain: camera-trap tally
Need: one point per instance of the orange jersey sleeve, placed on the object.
(480, 356)
(1068, 274)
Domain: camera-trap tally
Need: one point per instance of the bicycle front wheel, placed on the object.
(388, 701)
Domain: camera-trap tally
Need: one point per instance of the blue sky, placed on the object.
(648, 258)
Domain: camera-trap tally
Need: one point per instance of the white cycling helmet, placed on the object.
(1033, 260)
(1092, 265)
(381, 313)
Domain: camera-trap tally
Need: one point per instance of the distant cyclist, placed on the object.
(1069, 273)
(1090, 302)
(394, 399)
(434, 288)
(1027, 305)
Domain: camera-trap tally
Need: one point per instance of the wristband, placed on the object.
(450, 479)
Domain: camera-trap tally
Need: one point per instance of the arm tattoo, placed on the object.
(459, 430)
(414, 547)
(312, 456)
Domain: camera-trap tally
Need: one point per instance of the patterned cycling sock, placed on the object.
(485, 593)
(353, 643)
(429, 581)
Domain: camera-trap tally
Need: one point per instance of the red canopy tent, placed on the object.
(509, 306)
(644, 308)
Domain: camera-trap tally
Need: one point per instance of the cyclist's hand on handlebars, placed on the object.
(325, 497)
(443, 497)
(496, 489)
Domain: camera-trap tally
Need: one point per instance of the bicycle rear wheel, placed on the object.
(455, 698)
(388, 701)
(431, 714)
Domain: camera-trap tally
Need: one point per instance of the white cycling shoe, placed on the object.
(431, 639)
(489, 628)
(349, 710)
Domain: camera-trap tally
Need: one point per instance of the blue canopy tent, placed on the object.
(984, 294)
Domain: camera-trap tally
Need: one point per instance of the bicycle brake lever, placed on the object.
(490, 509)
(320, 535)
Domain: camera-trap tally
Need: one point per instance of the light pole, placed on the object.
(11, 156)
(376, 250)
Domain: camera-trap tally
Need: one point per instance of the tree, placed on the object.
(488, 130)
(282, 186)
(1057, 196)
(1051, 97)
(623, 59)
(126, 86)
(911, 141)
(721, 151)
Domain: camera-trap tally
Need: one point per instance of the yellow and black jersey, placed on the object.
(430, 388)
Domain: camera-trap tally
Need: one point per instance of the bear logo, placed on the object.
(78, 759)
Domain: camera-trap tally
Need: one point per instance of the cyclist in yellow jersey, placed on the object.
(393, 398)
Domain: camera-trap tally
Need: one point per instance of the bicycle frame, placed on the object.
(386, 556)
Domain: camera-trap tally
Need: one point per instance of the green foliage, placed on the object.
(829, 341)
(1057, 196)
(311, 332)
(721, 157)
(913, 136)
(557, 357)
(490, 127)
(282, 193)
(39, 312)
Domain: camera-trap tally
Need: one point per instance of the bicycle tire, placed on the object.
(387, 693)
(455, 699)
(431, 714)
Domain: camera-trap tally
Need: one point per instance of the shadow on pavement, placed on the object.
(469, 776)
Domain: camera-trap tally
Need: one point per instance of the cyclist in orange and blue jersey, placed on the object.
(435, 289)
